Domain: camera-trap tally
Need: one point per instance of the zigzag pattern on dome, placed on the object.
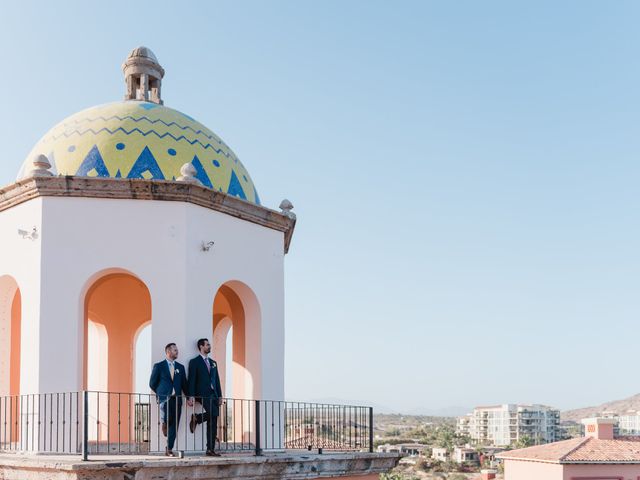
(139, 119)
(132, 139)
(144, 134)
(146, 166)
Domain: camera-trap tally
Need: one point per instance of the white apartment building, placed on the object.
(463, 424)
(503, 425)
(629, 423)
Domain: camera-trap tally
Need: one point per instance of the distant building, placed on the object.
(488, 456)
(597, 455)
(570, 429)
(503, 425)
(608, 414)
(388, 448)
(465, 455)
(441, 454)
(488, 474)
(629, 423)
(406, 449)
(463, 424)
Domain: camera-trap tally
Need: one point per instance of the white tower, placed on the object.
(144, 217)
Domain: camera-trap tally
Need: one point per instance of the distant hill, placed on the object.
(377, 408)
(618, 406)
(441, 412)
(412, 420)
(454, 411)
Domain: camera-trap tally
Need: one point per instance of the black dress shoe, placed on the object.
(169, 453)
(211, 453)
(164, 429)
(192, 423)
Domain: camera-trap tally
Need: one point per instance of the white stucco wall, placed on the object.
(82, 238)
(531, 470)
(20, 258)
(594, 472)
(520, 470)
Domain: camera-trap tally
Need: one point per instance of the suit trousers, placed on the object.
(210, 405)
(170, 412)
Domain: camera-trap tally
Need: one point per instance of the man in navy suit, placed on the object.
(169, 381)
(204, 387)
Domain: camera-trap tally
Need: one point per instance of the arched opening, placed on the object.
(116, 308)
(142, 359)
(235, 309)
(222, 345)
(10, 345)
(97, 356)
(228, 361)
(10, 326)
(237, 348)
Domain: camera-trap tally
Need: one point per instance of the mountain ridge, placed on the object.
(618, 406)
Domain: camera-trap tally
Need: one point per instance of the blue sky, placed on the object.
(465, 176)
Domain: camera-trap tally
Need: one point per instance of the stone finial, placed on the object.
(41, 167)
(143, 76)
(188, 174)
(286, 206)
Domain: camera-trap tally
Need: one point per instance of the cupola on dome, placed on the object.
(141, 138)
(143, 52)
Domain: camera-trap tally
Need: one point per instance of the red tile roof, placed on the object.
(318, 442)
(580, 450)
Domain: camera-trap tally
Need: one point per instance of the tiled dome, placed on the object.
(139, 139)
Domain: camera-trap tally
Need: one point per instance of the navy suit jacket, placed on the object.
(161, 383)
(202, 382)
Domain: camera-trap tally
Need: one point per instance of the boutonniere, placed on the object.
(177, 371)
(213, 364)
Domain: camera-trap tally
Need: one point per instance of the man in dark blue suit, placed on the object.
(169, 381)
(204, 387)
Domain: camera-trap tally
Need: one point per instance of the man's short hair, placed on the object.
(201, 342)
(169, 345)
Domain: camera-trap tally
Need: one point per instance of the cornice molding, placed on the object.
(141, 189)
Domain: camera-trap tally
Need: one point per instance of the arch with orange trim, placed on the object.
(10, 346)
(117, 306)
(236, 309)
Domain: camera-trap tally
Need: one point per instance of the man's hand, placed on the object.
(220, 401)
(190, 401)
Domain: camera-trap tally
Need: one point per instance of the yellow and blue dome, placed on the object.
(139, 139)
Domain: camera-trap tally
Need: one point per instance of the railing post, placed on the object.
(370, 429)
(258, 433)
(85, 427)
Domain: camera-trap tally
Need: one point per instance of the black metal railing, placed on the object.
(41, 422)
(94, 423)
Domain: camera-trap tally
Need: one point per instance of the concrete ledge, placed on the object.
(140, 189)
(271, 466)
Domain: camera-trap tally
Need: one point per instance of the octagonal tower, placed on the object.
(129, 214)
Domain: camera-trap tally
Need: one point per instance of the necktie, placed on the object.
(171, 369)
(206, 360)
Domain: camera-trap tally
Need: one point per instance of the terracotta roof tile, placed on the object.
(551, 452)
(580, 450)
(318, 442)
